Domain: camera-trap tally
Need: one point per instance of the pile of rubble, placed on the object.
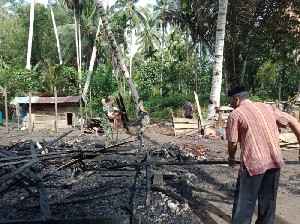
(188, 152)
(80, 181)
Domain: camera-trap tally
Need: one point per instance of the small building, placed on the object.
(43, 111)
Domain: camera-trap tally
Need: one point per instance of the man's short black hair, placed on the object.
(139, 100)
(239, 91)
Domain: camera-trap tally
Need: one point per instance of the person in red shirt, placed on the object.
(255, 126)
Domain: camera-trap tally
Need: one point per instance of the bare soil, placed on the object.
(211, 186)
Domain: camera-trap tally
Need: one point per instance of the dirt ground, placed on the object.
(218, 209)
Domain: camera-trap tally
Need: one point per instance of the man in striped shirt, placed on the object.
(255, 126)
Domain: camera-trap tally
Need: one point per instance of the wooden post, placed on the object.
(91, 105)
(29, 116)
(199, 111)
(81, 118)
(18, 115)
(6, 109)
(86, 118)
(173, 123)
(56, 111)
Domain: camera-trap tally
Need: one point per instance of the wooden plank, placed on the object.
(181, 126)
(186, 131)
(199, 109)
(185, 120)
(226, 108)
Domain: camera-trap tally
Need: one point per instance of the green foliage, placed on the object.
(175, 53)
(102, 85)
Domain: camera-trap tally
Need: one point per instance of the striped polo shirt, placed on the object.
(255, 126)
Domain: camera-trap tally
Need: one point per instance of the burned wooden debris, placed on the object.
(82, 179)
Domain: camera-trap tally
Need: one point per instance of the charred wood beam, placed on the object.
(44, 205)
(186, 192)
(78, 180)
(169, 193)
(80, 199)
(39, 158)
(47, 144)
(106, 219)
(11, 175)
(136, 187)
(135, 195)
(61, 154)
(74, 161)
(26, 173)
(17, 145)
(115, 145)
(20, 169)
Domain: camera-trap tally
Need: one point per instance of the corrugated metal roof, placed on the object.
(45, 100)
(23, 99)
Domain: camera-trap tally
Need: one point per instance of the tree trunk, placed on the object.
(116, 51)
(130, 54)
(78, 53)
(279, 91)
(28, 64)
(6, 109)
(215, 93)
(55, 32)
(91, 67)
(162, 57)
(76, 42)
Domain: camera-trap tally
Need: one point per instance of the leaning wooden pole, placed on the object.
(6, 109)
(116, 51)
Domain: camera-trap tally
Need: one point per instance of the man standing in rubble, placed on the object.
(142, 116)
(109, 116)
(255, 126)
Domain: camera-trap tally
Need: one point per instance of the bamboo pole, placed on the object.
(6, 109)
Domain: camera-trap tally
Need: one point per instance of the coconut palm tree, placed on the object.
(28, 64)
(116, 51)
(55, 32)
(149, 38)
(91, 67)
(215, 93)
(134, 18)
(161, 7)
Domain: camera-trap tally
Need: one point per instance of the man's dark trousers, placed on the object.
(250, 188)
